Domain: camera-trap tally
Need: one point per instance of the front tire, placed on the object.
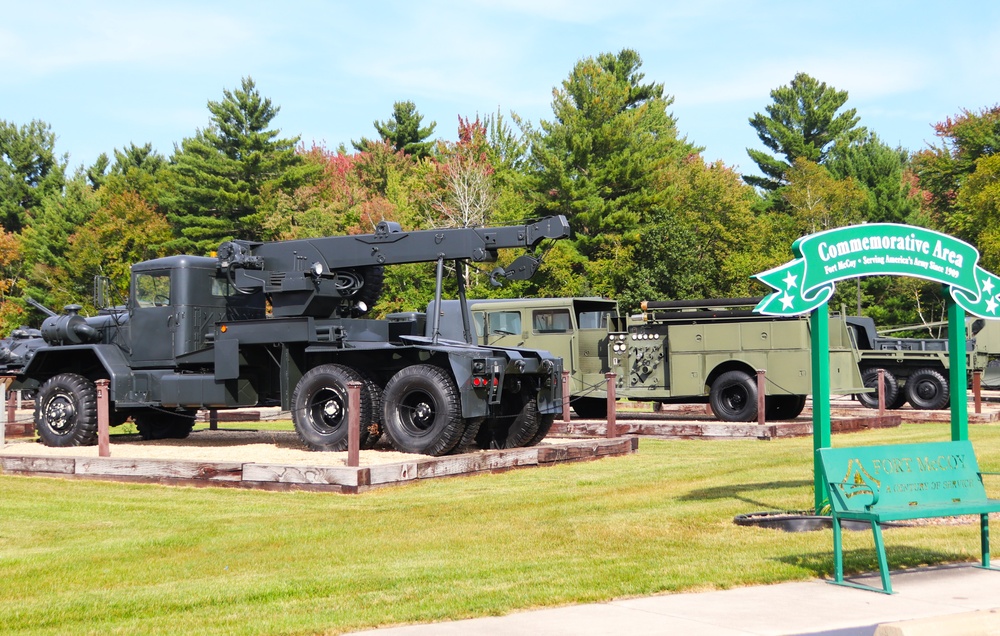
(422, 411)
(320, 407)
(66, 411)
(927, 389)
(733, 397)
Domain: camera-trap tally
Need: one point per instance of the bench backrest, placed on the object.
(904, 474)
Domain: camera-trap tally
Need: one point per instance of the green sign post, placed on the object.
(805, 285)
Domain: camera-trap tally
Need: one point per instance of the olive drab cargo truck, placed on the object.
(673, 352)
(196, 333)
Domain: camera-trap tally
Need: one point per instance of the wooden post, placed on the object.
(3, 415)
(565, 394)
(612, 429)
(881, 392)
(213, 419)
(103, 443)
(977, 390)
(760, 397)
(11, 407)
(353, 424)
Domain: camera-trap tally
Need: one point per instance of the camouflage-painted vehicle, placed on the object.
(673, 352)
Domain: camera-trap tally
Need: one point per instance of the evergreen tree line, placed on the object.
(651, 219)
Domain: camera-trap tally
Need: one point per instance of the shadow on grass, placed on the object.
(863, 561)
(744, 492)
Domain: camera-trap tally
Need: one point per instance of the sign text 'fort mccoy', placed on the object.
(878, 249)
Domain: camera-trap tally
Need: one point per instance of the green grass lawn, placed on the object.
(81, 557)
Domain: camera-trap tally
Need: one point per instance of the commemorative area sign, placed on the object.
(878, 249)
(806, 283)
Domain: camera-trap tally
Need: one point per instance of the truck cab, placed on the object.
(181, 298)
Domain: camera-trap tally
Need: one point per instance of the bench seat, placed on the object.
(901, 482)
(906, 513)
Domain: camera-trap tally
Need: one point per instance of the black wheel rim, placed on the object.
(327, 410)
(60, 410)
(735, 397)
(927, 390)
(418, 411)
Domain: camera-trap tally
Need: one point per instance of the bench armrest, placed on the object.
(851, 489)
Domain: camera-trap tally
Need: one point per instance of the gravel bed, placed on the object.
(243, 446)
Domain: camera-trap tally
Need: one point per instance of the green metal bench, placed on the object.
(880, 484)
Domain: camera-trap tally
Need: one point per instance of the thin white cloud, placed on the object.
(135, 35)
(573, 11)
(864, 75)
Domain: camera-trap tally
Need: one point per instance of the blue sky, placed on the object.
(106, 74)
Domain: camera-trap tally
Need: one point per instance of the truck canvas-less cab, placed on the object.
(195, 333)
(673, 352)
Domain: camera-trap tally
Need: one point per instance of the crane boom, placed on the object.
(314, 277)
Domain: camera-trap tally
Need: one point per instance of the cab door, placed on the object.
(152, 324)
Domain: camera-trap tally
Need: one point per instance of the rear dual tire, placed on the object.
(162, 424)
(422, 411)
(519, 424)
(927, 389)
(320, 408)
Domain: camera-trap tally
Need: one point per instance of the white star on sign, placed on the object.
(988, 286)
(991, 305)
(790, 281)
(786, 301)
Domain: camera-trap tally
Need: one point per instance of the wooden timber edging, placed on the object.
(340, 479)
(691, 429)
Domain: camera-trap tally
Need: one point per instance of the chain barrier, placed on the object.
(589, 390)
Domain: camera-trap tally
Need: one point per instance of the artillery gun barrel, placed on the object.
(39, 306)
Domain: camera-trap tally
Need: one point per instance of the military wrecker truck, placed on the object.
(684, 351)
(196, 333)
(916, 370)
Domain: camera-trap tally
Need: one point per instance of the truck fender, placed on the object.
(108, 360)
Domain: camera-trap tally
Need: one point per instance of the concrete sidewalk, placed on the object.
(936, 600)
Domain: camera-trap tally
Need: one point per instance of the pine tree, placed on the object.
(29, 170)
(403, 132)
(882, 172)
(600, 159)
(219, 176)
(801, 123)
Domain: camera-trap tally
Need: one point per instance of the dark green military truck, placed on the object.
(916, 370)
(673, 352)
(284, 323)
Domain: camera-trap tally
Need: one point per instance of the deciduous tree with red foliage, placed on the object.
(943, 170)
